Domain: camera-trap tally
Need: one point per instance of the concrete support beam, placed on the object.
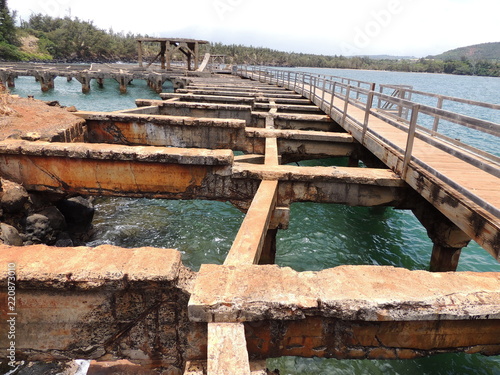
(289, 108)
(117, 170)
(110, 303)
(134, 127)
(192, 109)
(227, 349)
(250, 93)
(340, 293)
(209, 98)
(160, 130)
(105, 304)
(297, 122)
(249, 242)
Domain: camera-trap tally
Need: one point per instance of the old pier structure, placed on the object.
(143, 305)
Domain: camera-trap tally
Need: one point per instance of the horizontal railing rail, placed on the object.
(323, 90)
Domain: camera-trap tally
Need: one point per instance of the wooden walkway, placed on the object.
(459, 183)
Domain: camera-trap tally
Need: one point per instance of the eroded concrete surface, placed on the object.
(109, 303)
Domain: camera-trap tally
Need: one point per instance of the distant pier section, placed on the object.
(155, 74)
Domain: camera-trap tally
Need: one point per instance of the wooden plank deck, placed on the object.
(480, 222)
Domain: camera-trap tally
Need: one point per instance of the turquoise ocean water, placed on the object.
(320, 235)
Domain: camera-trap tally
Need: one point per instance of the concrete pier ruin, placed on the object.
(232, 139)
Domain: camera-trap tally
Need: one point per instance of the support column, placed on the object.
(140, 52)
(169, 55)
(124, 80)
(268, 255)
(46, 81)
(100, 82)
(162, 54)
(196, 55)
(85, 81)
(11, 80)
(448, 239)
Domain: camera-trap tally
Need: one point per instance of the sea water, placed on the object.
(320, 235)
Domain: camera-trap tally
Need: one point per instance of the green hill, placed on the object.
(485, 51)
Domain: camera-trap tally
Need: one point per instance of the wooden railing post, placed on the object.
(346, 105)
(313, 88)
(333, 96)
(411, 138)
(324, 89)
(369, 104)
(436, 118)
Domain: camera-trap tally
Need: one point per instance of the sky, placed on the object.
(350, 27)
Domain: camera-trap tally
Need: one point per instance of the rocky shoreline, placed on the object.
(38, 218)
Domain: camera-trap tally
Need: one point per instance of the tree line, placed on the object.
(70, 40)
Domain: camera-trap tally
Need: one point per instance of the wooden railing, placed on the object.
(325, 91)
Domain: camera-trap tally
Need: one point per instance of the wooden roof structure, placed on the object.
(168, 46)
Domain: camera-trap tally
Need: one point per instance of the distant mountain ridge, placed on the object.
(388, 57)
(484, 51)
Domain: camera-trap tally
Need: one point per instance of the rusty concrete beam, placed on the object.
(302, 135)
(352, 312)
(194, 109)
(314, 337)
(347, 175)
(251, 93)
(209, 98)
(110, 303)
(95, 169)
(289, 108)
(181, 131)
(249, 242)
(227, 349)
(103, 303)
(172, 173)
(161, 130)
(297, 121)
(382, 294)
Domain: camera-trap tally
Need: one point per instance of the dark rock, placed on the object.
(56, 218)
(38, 229)
(14, 197)
(78, 211)
(64, 240)
(10, 236)
(37, 368)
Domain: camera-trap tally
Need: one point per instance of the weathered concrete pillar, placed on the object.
(11, 81)
(100, 82)
(279, 220)
(8, 78)
(46, 80)
(155, 81)
(69, 78)
(448, 239)
(85, 81)
(124, 80)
